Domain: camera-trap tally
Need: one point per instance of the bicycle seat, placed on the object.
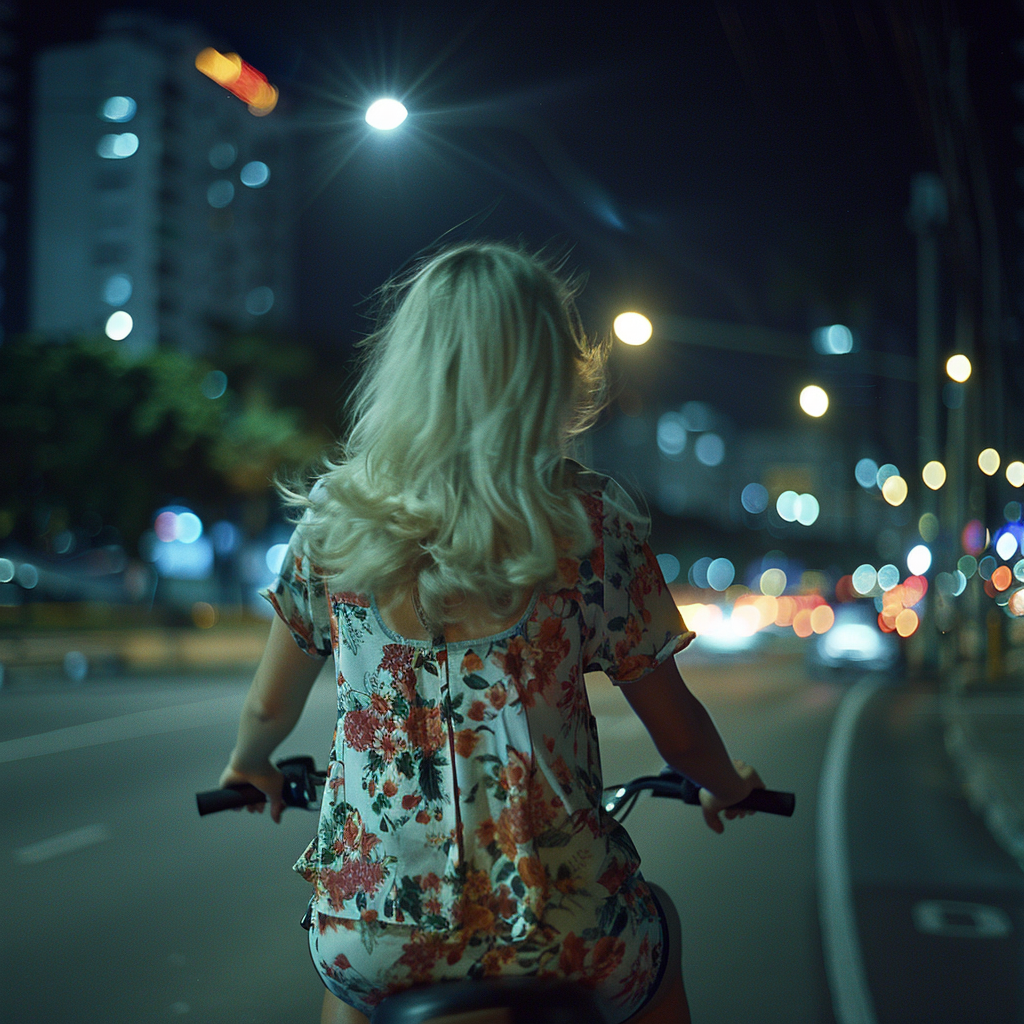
(530, 1000)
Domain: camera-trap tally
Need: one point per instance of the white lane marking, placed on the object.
(851, 999)
(125, 727)
(66, 842)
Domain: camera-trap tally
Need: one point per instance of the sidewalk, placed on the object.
(985, 738)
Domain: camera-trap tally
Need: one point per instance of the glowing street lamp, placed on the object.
(958, 368)
(386, 114)
(632, 328)
(814, 400)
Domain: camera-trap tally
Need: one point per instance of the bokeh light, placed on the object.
(1015, 474)
(1002, 577)
(119, 109)
(1016, 603)
(117, 290)
(632, 328)
(386, 114)
(773, 582)
(895, 490)
(698, 574)
(1012, 511)
(822, 618)
(709, 449)
(1006, 545)
(928, 527)
(888, 577)
(1018, 570)
(958, 368)
(721, 572)
(906, 622)
(934, 475)
(836, 340)
(669, 566)
(988, 461)
(864, 579)
(814, 400)
(986, 567)
(866, 473)
(118, 147)
(968, 565)
(119, 325)
(974, 537)
(919, 559)
(754, 498)
(254, 174)
(671, 434)
(884, 472)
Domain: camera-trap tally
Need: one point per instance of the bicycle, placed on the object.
(537, 1001)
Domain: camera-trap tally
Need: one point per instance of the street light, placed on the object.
(632, 328)
(386, 114)
(814, 400)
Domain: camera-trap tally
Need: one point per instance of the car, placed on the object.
(855, 642)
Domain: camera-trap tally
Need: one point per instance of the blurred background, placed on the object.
(803, 225)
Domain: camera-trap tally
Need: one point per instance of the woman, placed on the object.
(464, 574)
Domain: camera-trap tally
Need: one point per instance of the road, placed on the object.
(122, 905)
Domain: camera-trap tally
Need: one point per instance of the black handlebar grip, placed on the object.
(772, 801)
(238, 795)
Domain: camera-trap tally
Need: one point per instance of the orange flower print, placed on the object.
(607, 955)
(532, 872)
(410, 801)
(494, 960)
(471, 663)
(498, 696)
(477, 711)
(466, 741)
(424, 729)
(485, 832)
(573, 951)
(359, 727)
(390, 789)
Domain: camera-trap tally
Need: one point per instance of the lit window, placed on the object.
(118, 147)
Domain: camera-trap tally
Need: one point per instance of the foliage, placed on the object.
(88, 432)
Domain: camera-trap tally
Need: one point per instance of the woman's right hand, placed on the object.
(713, 806)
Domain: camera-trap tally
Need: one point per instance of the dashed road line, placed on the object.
(851, 998)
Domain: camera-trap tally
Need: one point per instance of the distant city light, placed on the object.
(117, 290)
(797, 508)
(222, 156)
(773, 582)
(895, 490)
(754, 498)
(928, 527)
(632, 328)
(118, 147)
(958, 368)
(669, 566)
(884, 472)
(671, 434)
(833, 341)
(220, 194)
(119, 109)
(934, 475)
(968, 565)
(275, 557)
(866, 473)
(709, 449)
(864, 579)
(988, 461)
(1006, 545)
(119, 325)
(259, 301)
(721, 572)
(698, 574)
(1015, 474)
(255, 174)
(239, 78)
(386, 114)
(888, 577)
(814, 400)
(919, 560)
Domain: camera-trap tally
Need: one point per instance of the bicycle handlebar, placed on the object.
(302, 779)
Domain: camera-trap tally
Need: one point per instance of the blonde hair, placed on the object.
(453, 476)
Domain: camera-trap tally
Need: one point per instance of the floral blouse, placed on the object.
(464, 781)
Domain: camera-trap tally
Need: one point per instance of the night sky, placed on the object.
(745, 162)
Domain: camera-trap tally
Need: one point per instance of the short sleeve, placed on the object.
(636, 626)
(299, 597)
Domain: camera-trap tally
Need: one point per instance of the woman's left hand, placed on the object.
(268, 780)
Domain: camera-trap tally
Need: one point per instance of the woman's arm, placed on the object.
(687, 738)
(272, 708)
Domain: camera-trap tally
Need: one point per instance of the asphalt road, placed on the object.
(121, 905)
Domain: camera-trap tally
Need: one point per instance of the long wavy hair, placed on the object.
(453, 476)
